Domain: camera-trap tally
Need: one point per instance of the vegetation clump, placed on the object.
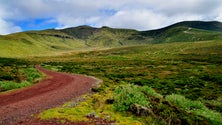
(195, 107)
(127, 95)
(17, 75)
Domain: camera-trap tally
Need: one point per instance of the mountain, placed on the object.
(51, 41)
(187, 31)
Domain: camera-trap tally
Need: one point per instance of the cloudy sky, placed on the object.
(22, 15)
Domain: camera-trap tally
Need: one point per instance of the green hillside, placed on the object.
(51, 41)
(37, 43)
(188, 31)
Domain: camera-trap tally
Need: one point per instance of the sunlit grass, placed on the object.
(78, 111)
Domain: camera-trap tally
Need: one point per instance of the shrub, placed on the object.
(195, 107)
(184, 103)
(129, 94)
(31, 74)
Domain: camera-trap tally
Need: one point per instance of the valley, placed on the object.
(166, 76)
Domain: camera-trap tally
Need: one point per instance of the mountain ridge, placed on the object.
(185, 29)
(52, 41)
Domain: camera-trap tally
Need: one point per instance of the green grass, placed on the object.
(189, 70)
(9, 85)
(184, 103)
(195, 107)
(22, 44)
(77, 111)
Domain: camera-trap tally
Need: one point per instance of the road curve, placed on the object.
(56, 89)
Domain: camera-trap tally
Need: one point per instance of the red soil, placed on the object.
(57, 88)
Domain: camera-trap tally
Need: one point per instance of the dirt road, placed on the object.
(56, 89)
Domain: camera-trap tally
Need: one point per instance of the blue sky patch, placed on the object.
(37, 24)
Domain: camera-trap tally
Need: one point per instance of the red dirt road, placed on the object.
(56, 89)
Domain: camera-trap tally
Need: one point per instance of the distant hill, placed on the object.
(106, 36)
(187, 31)
(51, 41)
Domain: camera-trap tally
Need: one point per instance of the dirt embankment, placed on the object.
(56, 89)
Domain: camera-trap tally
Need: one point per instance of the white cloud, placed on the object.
(135, 19)
(145, 19)
(7, 27)
(136, 14)
(218, 17)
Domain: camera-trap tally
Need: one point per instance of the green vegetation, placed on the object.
(147, 76)
(31, 74)
(17, 74)
(191, 31)
(184, 103)
(90, 105)
(9, 85)
(195, 107)
(127, 95)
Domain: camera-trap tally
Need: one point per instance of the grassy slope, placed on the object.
(49, 42)
(40, 43)
(188, 31)
(184, 34)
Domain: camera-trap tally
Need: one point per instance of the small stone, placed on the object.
(108, 118)
(91, 115)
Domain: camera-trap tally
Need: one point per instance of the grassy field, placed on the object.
(147, 84)
(177, 82)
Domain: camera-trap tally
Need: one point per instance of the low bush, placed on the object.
(195, 107)
(184, 103)
(31, 74)
(129, 94)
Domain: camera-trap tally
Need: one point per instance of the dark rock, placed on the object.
(109, 101)
(139, 110)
